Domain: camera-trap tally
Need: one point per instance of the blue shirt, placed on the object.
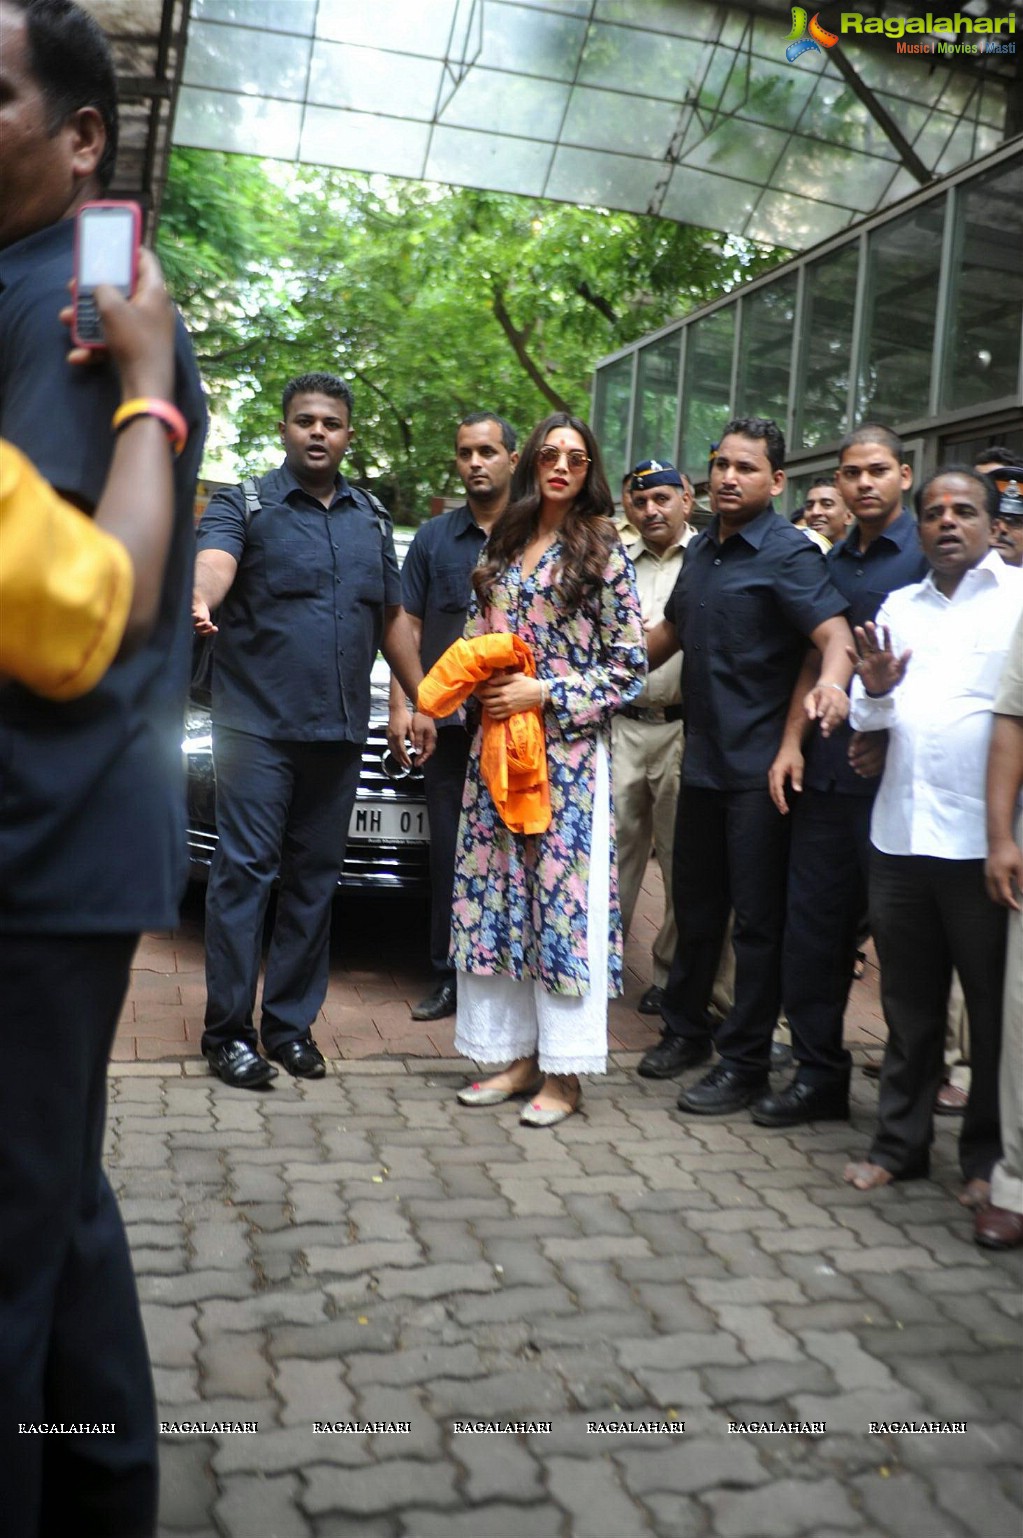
(436, 583)
(864, 578)
(743, 611)
(300, 627)
(92, 792)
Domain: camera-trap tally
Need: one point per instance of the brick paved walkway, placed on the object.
(363, 1250)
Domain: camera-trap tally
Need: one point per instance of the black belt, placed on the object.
(658, 714)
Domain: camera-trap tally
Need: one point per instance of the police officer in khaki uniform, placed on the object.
(647, 740)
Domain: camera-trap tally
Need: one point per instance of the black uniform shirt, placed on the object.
(743, 611)
(864, 578)
(300, 627)
(436, 581)
(92, 791)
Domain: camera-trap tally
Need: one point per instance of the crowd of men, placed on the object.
(780, 810)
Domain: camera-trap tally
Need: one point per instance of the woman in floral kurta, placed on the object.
(536, 924)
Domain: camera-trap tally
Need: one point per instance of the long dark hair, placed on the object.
(587, 533)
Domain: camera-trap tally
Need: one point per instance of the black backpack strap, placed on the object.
(385, 522)
(250, 491)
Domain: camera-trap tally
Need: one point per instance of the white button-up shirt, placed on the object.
(939, 718)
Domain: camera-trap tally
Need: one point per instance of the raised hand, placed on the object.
(878, 666)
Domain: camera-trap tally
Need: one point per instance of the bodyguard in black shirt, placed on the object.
(751, 593)
(309, 588)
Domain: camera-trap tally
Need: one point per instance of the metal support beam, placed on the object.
(884, 120)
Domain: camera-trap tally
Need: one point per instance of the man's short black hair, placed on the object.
(998, 454)
(317, 384)
(474, 418)
(873, 432)
(826, 479)
(766, 430)
(70, 60)
(985, 482)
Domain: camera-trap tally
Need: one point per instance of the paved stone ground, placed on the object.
(363, 1249)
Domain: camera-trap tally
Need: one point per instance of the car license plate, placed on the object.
(390, 822)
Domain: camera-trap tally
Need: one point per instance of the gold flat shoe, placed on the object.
(479, 1094)
(547, 1116)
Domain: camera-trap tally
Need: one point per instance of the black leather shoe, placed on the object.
(798, 1103)
(723, 1089)
(781, 1056)
(443, 1001)
(650, 1003)
(236, 1063)
(671, 1055)
(300, 1058)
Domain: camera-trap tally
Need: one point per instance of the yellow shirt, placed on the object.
(65, 586)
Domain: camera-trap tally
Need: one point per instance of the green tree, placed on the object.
(432, 301)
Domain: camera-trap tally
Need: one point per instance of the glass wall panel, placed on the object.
(707, 392)
(903, 260)
(986, 295)
(765, 350)
(653, 434)
(611, 401)
(829, 300)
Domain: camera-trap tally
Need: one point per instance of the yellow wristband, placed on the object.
(143, 406)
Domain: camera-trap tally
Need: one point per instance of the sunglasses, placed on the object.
(549, 456)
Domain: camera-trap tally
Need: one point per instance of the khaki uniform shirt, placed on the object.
(656, 576)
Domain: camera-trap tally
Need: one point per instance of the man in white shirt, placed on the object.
(928, 672)
(647, 735)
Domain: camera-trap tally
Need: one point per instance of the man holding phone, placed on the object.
(92, 847)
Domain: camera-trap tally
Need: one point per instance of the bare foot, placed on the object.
(558, 1092)
(976, 1194)
(866, 1176)
(516, 1079)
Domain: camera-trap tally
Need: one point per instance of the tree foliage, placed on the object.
(432, 301)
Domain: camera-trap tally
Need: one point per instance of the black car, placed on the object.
(389, 835)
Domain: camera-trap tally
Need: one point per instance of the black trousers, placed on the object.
(929, 916)
(444, 782)
(72, 1348)
(281, 807)
(731, 851)
(827, 898)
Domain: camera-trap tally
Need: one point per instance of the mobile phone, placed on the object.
(107, 237)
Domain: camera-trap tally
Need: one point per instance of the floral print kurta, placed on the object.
(520, 899)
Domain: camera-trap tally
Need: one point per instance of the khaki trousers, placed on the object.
(646, 769)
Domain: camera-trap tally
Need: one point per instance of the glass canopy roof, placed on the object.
(675, 108)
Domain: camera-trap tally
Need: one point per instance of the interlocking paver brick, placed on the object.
(902, 1502)
(171, 1334)
(591, 1493)
(755, 1329)
(796, 1506)
(498, 1468)
(397, 1483)
(418, 1365)
(690, 1465)
(497, 1521)
(235, 1366)
(311, 1391)
(187, 1487)
(254, 1504)
(979, 1502)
